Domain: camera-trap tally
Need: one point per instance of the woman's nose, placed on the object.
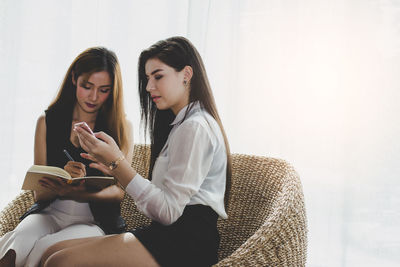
(150, 86)
(93, 94)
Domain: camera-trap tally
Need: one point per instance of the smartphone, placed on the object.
(84, 126)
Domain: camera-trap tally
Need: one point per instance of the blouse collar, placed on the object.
(181, 114)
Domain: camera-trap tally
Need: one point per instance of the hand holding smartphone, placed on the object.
(84, 126)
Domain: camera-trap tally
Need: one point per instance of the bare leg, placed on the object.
(9, 259)
(115, 250)
(62, 245)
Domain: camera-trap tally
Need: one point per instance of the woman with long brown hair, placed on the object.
(91, 93)
(189, 176)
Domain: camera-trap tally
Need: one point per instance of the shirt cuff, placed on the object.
(137, 186)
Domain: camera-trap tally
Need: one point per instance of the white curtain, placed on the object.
(313, 82)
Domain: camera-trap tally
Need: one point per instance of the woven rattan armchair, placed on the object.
(267, 222)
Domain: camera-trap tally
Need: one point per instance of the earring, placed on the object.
(184, 82)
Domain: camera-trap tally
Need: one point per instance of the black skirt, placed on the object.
(192, 240)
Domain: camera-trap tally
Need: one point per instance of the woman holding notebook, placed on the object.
(91, 94)
(189, 170)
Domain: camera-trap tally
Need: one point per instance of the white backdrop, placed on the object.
(313, 82)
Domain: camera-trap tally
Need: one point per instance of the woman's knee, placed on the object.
(50, 251)
(58, 259)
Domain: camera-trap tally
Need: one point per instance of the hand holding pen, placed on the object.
(74, 168)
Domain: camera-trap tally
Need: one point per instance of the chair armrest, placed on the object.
(282, 239)
(9, 216)
(275, 243)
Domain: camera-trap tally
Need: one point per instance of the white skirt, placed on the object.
(37, 232)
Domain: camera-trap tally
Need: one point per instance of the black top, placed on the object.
(58, 130)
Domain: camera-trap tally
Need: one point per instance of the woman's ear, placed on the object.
(73, 78)
(187, 73)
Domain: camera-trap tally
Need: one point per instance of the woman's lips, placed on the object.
(90, 105)
(155, 98)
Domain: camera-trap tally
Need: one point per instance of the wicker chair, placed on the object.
(267, 221)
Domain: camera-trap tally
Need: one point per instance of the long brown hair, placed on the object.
(93, 60)
(177, 52)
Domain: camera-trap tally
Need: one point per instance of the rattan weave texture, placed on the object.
(267, 223)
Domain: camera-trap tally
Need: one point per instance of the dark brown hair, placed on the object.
(176, 52)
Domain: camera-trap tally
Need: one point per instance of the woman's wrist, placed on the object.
(114, 164)
(124, 173)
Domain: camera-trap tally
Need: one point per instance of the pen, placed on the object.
(68, 155)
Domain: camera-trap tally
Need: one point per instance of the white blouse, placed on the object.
(191, 169)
